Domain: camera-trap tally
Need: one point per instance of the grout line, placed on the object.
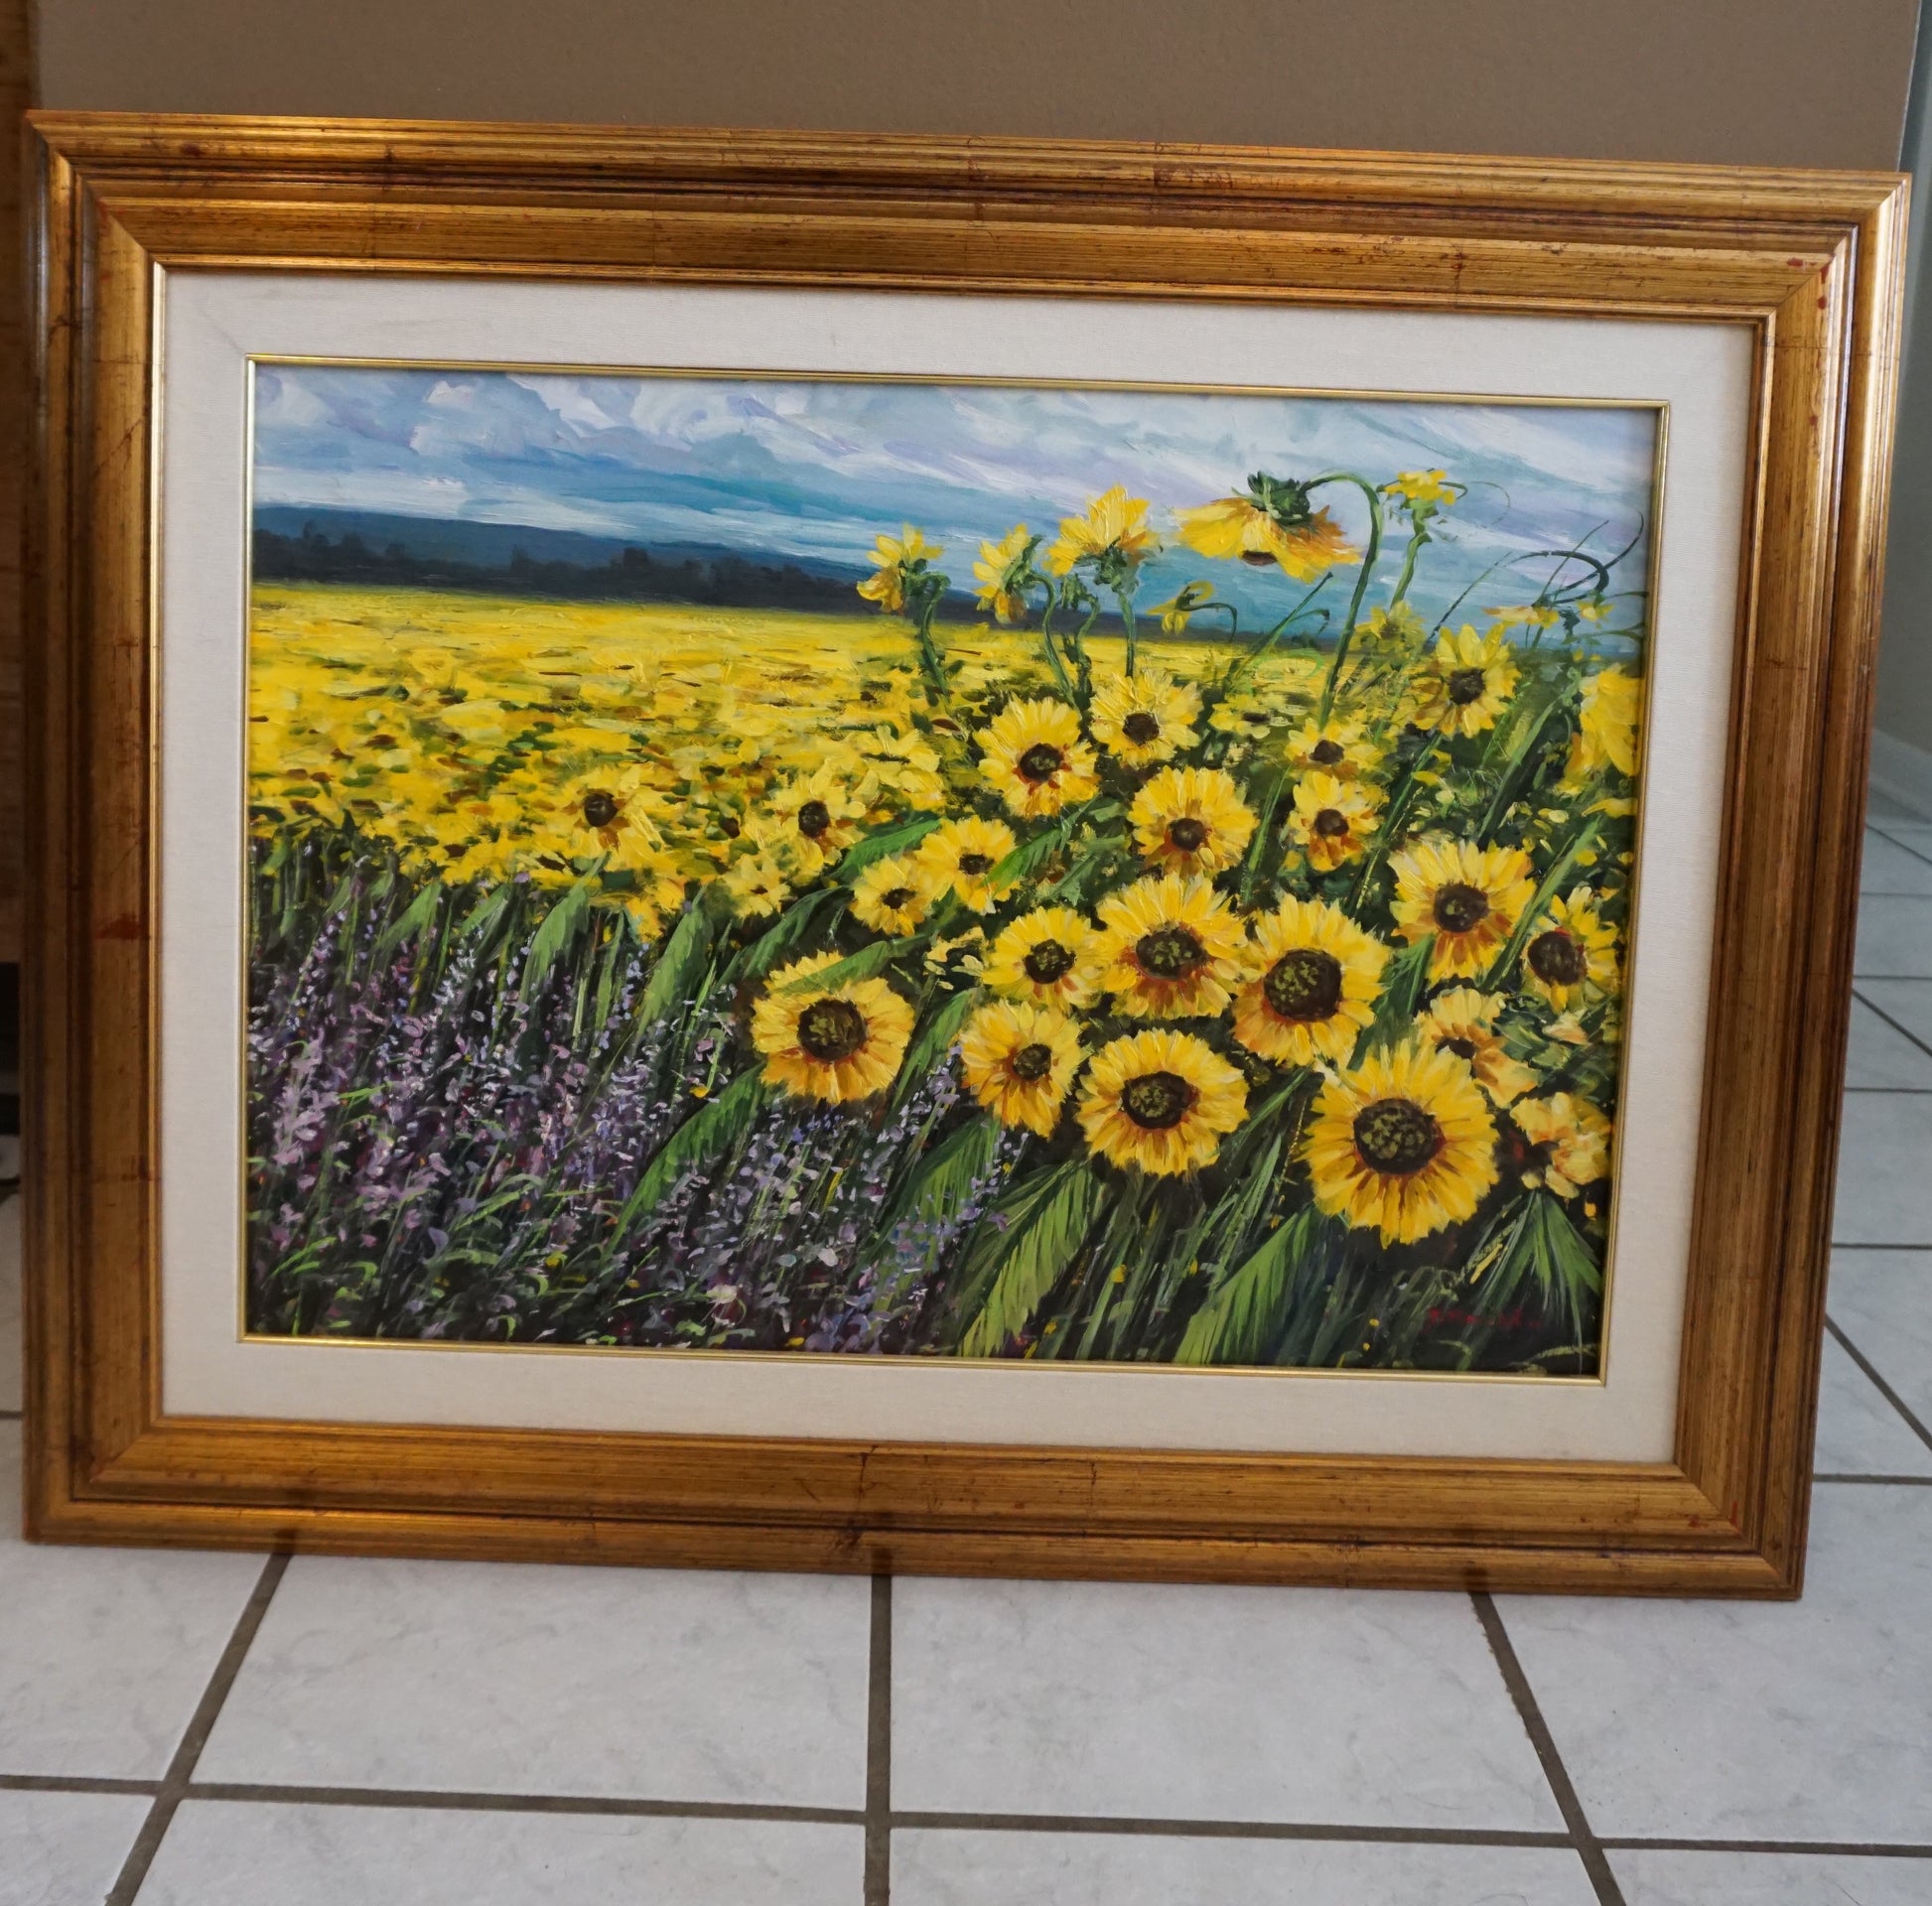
(435, 1800)
(9, 1415)
(1893, 1482)
(1893, 979)
(1878, 827)
(1130, 1828)
(1903, 1031)
(1885, 1389)
(1589, 1848)
(73, 1784)
(1892, 1091)
(180, 1769)
(1837, 1246)
(1867, 1849)
(879, 1748)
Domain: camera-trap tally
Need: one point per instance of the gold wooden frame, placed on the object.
(1810, 261)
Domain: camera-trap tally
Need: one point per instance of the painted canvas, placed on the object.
(1119, 874)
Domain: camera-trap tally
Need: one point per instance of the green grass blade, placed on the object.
(1036, 1254)
(708, 1135)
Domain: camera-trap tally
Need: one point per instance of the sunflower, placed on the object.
(1572, 948)
(1192, 820)
(1272, 523)
(1606, 733)
(1004, 570)
(962, 855)
(1033, 754)
(1018, 1061)
(1160, 1100)
(601, 811)
(837, 1043)
(1142, 719)
(1465, 683)
(1470, 897)
(1463, 1020)
(819, 814)
(1335, 747)
(1313, 975)
(1427, 487)
(1332, 820)
(1047, 957)
(1404, 1143)
(1175, 611)
(1171, 948)
(898, 560)
(1572, 1139)
(1112, 534)
(893, 896)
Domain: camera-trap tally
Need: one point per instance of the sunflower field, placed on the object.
(1094, 980)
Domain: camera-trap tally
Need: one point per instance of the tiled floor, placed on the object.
(210, 1730)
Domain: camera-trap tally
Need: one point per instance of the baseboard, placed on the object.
(1901, 772)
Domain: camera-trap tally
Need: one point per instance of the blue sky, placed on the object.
(818, 468)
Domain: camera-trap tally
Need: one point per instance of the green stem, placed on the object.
(1553, 880)
(1393, 816)
(1245, 662)
(1127, 623)
(1046, 641)
(1362, 576)
(1408, 572)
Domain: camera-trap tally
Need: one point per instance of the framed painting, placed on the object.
(976, 856)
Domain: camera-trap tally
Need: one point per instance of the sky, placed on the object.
(818, 468)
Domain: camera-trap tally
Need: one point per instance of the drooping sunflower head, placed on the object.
(1176, 610)
(893, 894)
(1145, 718)
(1403, 1143)
(1570, 949)
(1463, 1020)
(1606, 732)
(899, 564)
(1332, 820)
(1004, 569)
(1571, 1140)
(819, 814)
(1033, 754)
(1470, 897)
(1161, 1101)
(1047, 957)
(1423, 491)
(1170, 948)
(1192, 820)
(1465, 683)
(1313, 976)
(1018, 1060)
(837, 1043)
(1274, 522)
(963, 854)
(1336, 746)
(1111, 537)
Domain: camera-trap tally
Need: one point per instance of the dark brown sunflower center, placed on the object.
(1465, 686)
(1305, 984)
(1463, 1048)
(1140, 727)
(897, 897)
(1041, 763)
(814, 817)
(1329, 821)
(1157, 1101)
(1032, 1063)
(1257, 558)
(1396, 1137)
(1187, 833)
(831, 1029)
(1460, 907)
(975, 863)
(1048, 962)
(1326, 753)
(1168, 953)
(1556, 959)
(599, 809)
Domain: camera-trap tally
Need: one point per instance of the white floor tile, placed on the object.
(1884, 1186)
(245, 1853)
(1755, 1720)
(10, 1377)
(931, 1868)
(511, 1678)
(1883, 1301)
(1887, 866)
(1895, 937)
(1914, 830)
(1859, 1433)
(104, 1653)
(1880, 1056)
(64, 1850)
(1657, 1878)
(1908, 1002)
(1884, 809)
(1129, 1700)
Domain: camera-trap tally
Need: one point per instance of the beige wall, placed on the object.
(1774, 81)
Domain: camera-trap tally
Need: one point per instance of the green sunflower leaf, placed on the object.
(1035, 1253)
(709, 1134)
